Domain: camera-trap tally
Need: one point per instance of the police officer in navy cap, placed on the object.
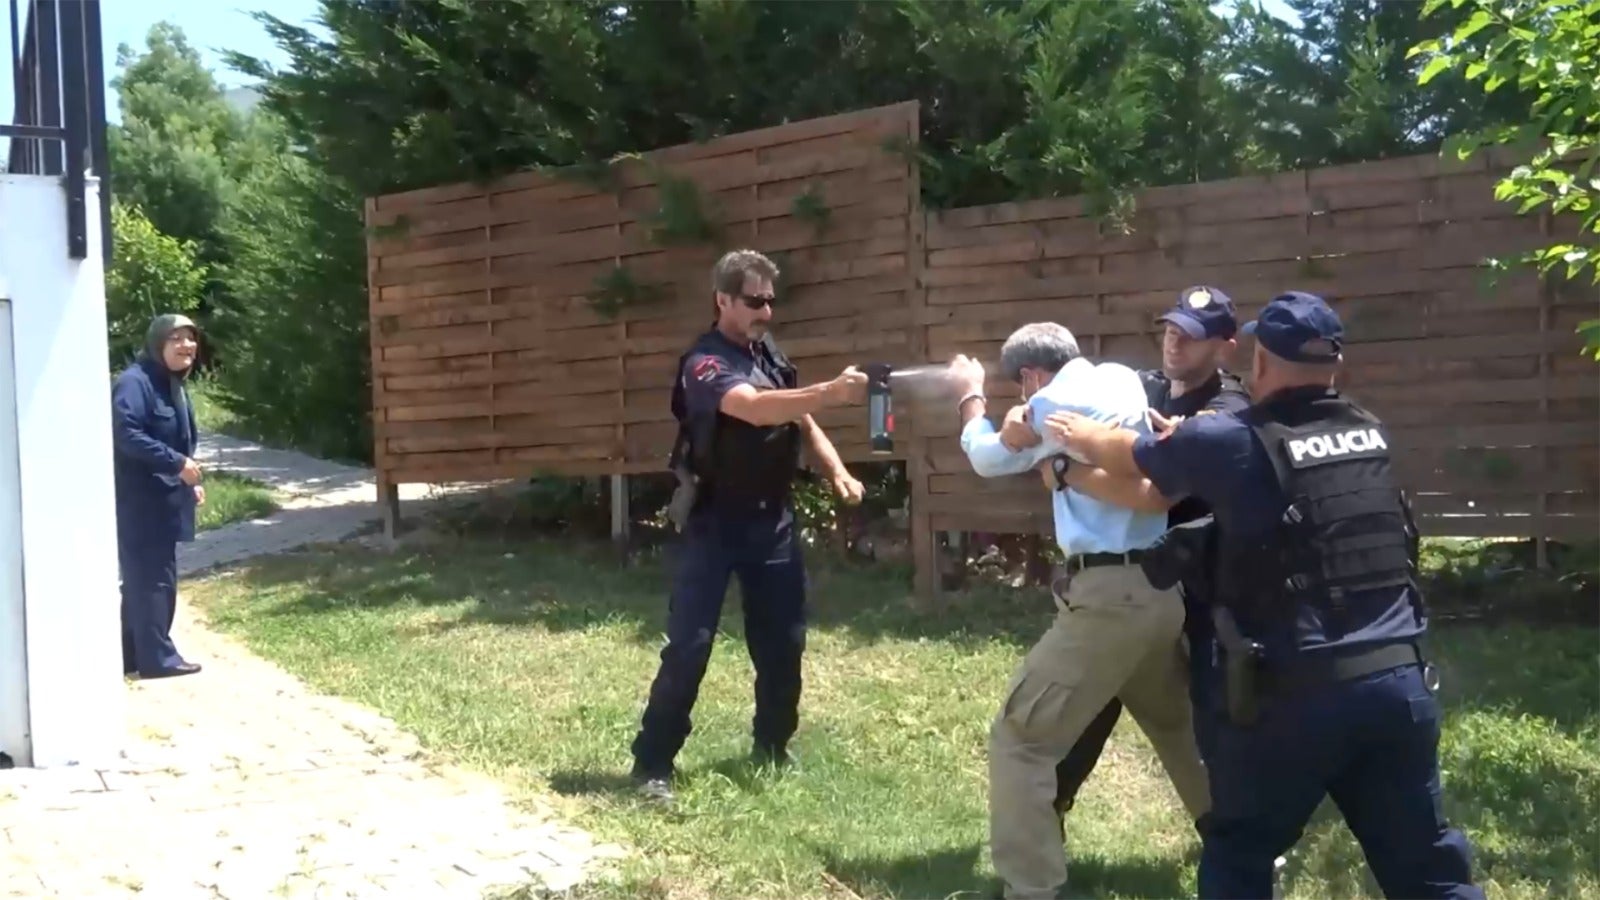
(1318, 616)
(742, 419)
(1198, 336)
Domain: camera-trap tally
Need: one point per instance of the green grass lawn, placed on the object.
(233, 498)
(530, 660)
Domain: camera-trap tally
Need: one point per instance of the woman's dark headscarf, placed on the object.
(155, 339)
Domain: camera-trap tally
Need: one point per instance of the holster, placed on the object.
(687, 492)
(1241, 660)
(1180, 554)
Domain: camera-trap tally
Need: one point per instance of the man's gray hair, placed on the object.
(727, 276)
(1037, 345)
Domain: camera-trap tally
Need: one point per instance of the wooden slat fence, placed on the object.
(1495, 413)
(489, 362)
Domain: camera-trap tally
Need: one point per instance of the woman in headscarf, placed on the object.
(158, 488)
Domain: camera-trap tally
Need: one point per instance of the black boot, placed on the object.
(654, 784)
(768, 755)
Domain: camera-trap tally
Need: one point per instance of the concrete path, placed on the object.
(241, 782)
(324, 502)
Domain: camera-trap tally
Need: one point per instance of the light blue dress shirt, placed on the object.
(1105, 392)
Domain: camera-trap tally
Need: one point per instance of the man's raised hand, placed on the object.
(965, 375)
(1162, 424)
(1016, 433)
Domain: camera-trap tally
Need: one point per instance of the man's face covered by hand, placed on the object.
(748, 313)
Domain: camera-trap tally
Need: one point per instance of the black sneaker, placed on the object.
(654, 786)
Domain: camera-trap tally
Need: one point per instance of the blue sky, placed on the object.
(212, 28)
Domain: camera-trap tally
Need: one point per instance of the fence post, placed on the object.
(619, 508)
(924, 542)
(389, 505)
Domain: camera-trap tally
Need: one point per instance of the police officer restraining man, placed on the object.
(1199, 333)
(741, 421)
(1318, 617)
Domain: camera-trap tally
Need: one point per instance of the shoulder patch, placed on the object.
(707, 368)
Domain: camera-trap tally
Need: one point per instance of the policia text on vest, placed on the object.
(1336, 444)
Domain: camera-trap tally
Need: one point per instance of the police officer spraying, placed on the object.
(741, 422)
(1198, 332)
(1318, 617)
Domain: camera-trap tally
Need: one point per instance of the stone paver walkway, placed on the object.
(324, 502)
(241, 782)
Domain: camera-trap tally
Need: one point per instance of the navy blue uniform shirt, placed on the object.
(1212, 397)
(718, 365)
(1218, 459)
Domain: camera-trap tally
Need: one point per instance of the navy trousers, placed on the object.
(763, 550)
(1205, 687)
(1372, 745)
(149, 573)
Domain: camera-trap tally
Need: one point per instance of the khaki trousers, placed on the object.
(1114, 636)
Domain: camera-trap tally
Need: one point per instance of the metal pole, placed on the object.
(95, 84)
(75, 115)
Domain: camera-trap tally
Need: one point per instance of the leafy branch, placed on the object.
(682, 216)
(617, 289)
(602, 175)
(810, 207)
(1549, 49)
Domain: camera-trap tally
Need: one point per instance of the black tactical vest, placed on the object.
(1347, 528)
(739, 465)
(1158, 394)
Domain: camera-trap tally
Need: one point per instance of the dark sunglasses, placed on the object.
(755, 301)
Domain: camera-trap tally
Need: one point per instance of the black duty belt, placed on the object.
(1313, 671)
(1080, 561)
(744, 504)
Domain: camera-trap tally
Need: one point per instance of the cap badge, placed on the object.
(1200, 299)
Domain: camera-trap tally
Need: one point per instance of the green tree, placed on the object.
(295, 275)
(150, 274)
(1340, 86)
(1548, 50)
(1018, 97)
(170, 155)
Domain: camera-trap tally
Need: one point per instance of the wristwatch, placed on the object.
(1059, 465)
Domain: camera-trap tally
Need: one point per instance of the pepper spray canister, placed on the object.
(880, 408)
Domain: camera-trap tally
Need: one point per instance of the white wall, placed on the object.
(13, 631)
(68, 509)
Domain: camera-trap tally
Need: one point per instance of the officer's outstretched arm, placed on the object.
(762, 408)
(1129, 492)
(1106, 446)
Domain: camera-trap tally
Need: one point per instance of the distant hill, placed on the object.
(242, 100)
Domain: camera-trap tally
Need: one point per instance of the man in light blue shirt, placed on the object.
(1108, 392)
(1113, 636)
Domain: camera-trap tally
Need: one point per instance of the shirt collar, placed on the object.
(1077, 365)
(722, 339)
